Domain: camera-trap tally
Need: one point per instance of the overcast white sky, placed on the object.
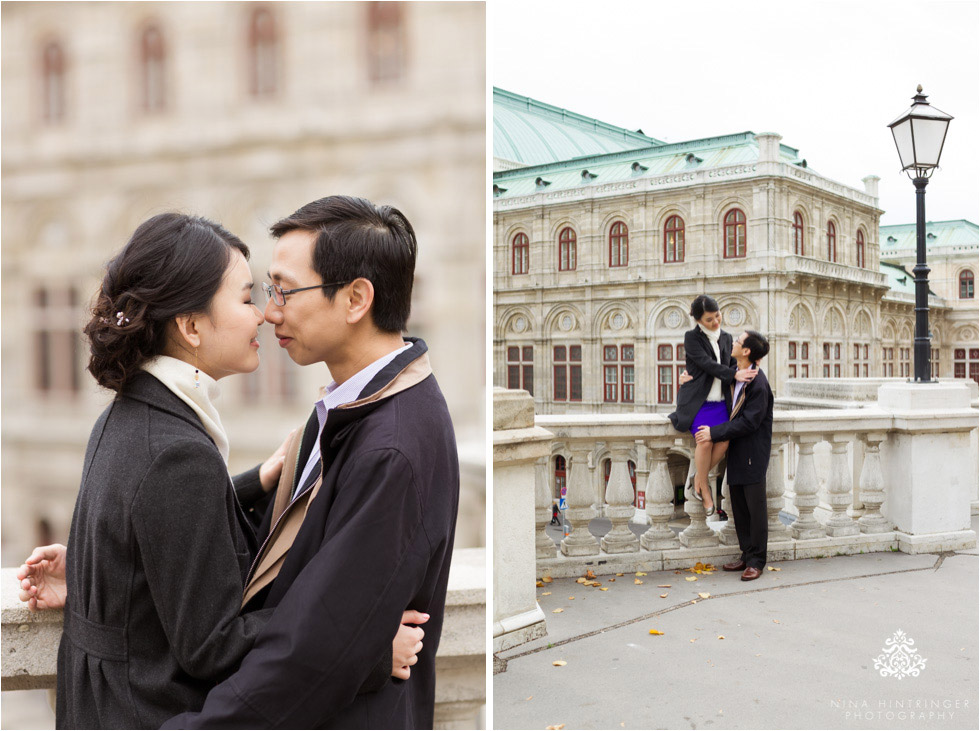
(827, 76)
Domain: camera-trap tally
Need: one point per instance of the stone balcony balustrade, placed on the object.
(30, 642)
(896, 475)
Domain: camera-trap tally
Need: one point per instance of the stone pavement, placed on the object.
(798, 652)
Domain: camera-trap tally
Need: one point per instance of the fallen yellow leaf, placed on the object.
(703, 594)
(640, 573)
(589, 574)
(663, 586)
(539, 583)
(557, 611)
(557, 727)
(694, 640)
(663, 596)
(721, 637)
(546, 593)
(698, 566)
(605, 588)
(772, 568)
(570, 598)
(694, 601)
(776, 621)
(612, 580)
(656, 632)
(618, 574)
(559, 663)
(547, 579)
(529, 697)
(691, 578)
(580, 580)
(637, 581)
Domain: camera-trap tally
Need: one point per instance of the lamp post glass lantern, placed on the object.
(919, 135)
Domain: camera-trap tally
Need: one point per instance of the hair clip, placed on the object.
(121, 318)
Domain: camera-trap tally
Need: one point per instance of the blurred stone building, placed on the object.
(240, 112)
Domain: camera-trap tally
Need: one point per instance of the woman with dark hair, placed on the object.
(161, 540)
(704, 397)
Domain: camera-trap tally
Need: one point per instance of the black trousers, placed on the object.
(751, 522)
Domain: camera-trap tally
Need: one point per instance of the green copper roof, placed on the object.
(938, 234)
(651, 161)
(899, 278)
(530, 132)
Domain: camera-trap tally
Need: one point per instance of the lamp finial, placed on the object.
(919, 88)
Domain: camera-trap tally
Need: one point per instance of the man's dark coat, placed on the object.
(157, 556)
(748, 432)
(704, 368)
(377, 539)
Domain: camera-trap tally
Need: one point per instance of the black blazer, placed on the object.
(748, 433)
(157, 555)
(377, 539)
(704, 367)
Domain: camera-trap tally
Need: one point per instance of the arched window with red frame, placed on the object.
(831, 241)
(734, 234)
(966, 285)
(860, 248)
(798, 246)
(560, 476)
(674, 240)
(566, 249)
(53, 82)
(263, 53)
(618, 245)
(152, 69)
(520, 254)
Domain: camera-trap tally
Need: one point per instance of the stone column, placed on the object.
(775, 490)
(697, 534)
(619, 503)
(544, 547)
(518, 445)
(839, 488)
(659, 507)
(580, 542)
(872, 486)
(806, 526)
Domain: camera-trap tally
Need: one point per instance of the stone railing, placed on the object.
(873, 485)
(819, 267)
(30, 642)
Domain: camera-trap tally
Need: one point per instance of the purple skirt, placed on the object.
(712, 413)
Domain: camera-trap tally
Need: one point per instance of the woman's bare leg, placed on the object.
(718, 450)
(702, 463)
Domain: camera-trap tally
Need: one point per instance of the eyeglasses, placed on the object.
(278, 295)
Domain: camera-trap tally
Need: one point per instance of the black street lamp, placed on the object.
(919, 136)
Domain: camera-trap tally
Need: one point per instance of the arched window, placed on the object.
(566, 249)
(560, 476)
(152, 66)
(860, 248)
(520, 255)
(966, 285)
(798, 247)
(734, 234)
(674, 240)
(53, 82)
(385, 42)
(263, 53)
(831, 241)
(618, 245)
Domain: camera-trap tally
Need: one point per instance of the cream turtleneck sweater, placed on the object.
(715, 393)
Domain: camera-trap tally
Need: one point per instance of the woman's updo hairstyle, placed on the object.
(172, 265)
(701, 304)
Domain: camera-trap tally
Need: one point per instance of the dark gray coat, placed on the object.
(157, 555)
(702, 365)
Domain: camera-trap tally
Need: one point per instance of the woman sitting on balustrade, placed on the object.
(162, 536)
(705, 397)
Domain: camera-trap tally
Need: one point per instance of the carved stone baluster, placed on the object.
(727, 535)
(840, 489)
(697, 534)
(619, 504)
(659, 508)
(580, 542)
(872, 486)
(806, 526)
(544, 547)
(775, 489)
(642, 473)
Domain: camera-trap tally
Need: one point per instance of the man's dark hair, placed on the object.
(355, 238)
(757, 344)
(701, 304)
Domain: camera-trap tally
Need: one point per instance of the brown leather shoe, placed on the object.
(734, 565)
(751, 573)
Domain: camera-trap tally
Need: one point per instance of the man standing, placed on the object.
(362, 524)
(749, 435)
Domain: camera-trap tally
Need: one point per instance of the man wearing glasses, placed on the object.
(361, 526)
(749, 435)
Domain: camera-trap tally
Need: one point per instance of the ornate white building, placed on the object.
(240, 112)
